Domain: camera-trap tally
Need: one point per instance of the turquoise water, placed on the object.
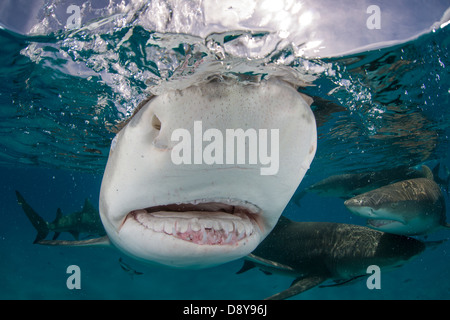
(61, 94)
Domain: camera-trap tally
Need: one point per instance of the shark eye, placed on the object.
(156, 123)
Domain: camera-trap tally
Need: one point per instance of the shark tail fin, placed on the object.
(36, 220)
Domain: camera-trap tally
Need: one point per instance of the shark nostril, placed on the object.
(156, 123)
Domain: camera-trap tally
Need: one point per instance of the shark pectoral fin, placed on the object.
(103, 241)
(434, 244)
(75, 234)
(246, 266)
(36, 220)
(298, 286)
(342, 282)
(269, 263)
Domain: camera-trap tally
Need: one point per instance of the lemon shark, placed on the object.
(314, 252)
(86, 221)
(409, 207)
(211, 208)
(348, 185)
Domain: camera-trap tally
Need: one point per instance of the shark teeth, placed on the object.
(204, 228)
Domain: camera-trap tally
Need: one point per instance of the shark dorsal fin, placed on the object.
(88, 206)
(59, 215)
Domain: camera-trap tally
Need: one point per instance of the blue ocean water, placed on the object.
(62, 93)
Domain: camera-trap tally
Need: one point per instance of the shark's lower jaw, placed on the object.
(202, 222)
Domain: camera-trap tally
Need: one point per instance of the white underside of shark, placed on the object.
(201, 215)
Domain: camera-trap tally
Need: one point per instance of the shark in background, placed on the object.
(410, 207)
(314, 252)
(348, 185)
(87, 221)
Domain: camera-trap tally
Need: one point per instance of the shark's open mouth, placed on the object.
(202, 222)
(380, 222)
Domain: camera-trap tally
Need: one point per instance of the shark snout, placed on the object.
(353, 202)
(358, 207)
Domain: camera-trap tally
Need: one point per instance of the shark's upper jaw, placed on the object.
(202, 222)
